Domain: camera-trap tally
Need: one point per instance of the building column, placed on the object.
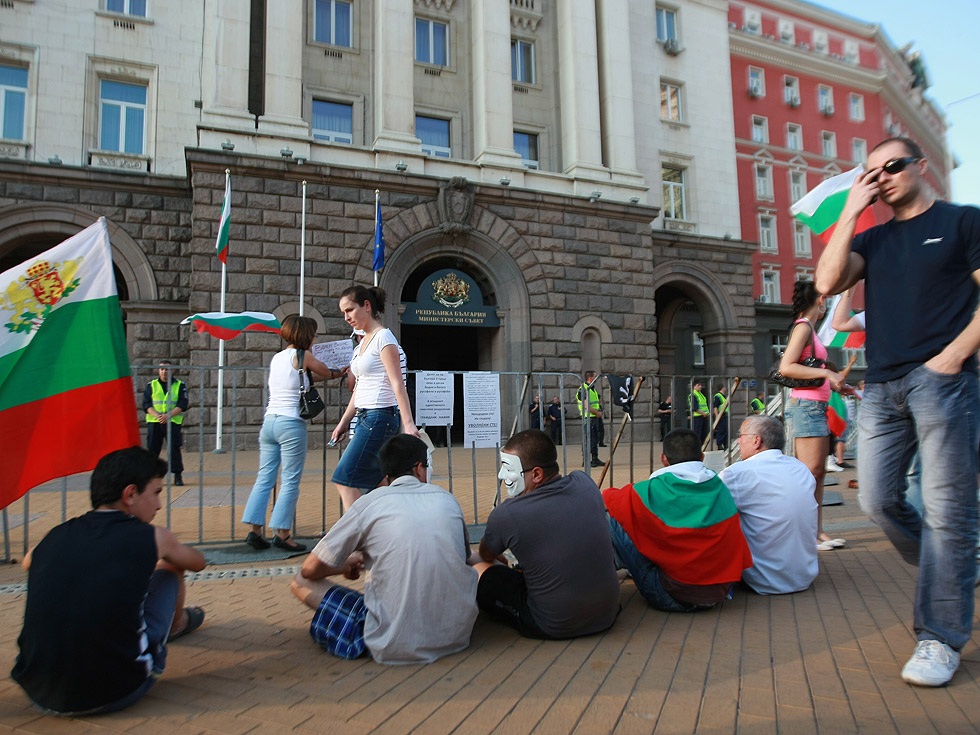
(578, 69)
(493, 92)
(394, 77)
(616, 90)
(225, 65)
(284, 45)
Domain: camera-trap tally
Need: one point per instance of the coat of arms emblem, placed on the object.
(32, 296)
(451, 291)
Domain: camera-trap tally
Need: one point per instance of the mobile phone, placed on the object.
(332, 443)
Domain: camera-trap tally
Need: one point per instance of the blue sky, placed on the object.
(945, 31)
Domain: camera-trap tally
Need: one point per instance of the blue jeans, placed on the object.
(645, 574)
(358, 466)
(281, 441)
(938, 415)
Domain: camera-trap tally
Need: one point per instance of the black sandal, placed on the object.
(195, 616)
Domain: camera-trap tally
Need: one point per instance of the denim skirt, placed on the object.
(358, 467)
(805, 418)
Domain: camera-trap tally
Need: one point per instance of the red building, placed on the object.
(813, 91)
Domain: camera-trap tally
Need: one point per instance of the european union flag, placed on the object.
(379, 240)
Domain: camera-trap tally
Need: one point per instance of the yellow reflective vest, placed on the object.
(163, 403)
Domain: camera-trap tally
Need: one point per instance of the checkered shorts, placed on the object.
(338, 624)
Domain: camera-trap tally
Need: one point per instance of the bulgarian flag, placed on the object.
(223, 227)
(821, 208)
(687, 526)
(228, 326)
(830, 337)
(66, 395)
(836, 414)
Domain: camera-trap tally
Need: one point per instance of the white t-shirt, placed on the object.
(373, 389)
(419, 591)
(283, 385)
(778, 513)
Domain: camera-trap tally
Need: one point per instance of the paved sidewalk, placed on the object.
(824, 660)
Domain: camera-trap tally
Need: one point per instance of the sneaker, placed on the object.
(933, 664)
(832, 466)
(598, 463)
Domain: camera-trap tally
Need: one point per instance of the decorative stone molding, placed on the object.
(444, 6)
(455, 205)
(524, 14)
(14, 149)
(123, 161)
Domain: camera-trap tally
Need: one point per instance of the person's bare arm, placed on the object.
(177, 554)
(315, 568)
(842, 320)
(950, 360)
(392, 363)
(838, 267)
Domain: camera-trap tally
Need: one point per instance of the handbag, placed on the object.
(310, 403)
(811, 361)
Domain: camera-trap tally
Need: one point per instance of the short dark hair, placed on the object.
(682, 445)
(119, 469)
(374, 295)
(400, 454)
(535, 449)
(769, 429)
(593, 373)
(298, 331)
(911, 146)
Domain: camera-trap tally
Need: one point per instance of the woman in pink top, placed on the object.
(806, 413)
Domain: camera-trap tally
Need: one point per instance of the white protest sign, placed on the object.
(481, 409)
(434, 394)
(335, 355)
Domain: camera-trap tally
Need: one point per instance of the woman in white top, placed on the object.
(379, 395)
(283, 438)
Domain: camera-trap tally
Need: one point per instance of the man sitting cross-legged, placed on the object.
(105, 593)
(774, 496)
(419, 600)
(678, 532)
(566, 585)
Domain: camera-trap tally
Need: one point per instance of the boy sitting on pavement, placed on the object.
(678, 533)
(419, 600)
(105, 594)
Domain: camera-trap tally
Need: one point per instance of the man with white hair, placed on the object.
(774, 497)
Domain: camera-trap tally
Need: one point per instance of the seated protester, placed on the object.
(104, 595)
(419, 600)
(555, 526)
(774, 497)
(678, 532)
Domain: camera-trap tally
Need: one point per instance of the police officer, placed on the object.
(165, 400)
(699, 411)
(593, 409)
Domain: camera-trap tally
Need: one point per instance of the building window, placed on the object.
(859, 150)
(856, 107)
(763, 182)
(527, 145)
(670, 101)
(129, 7)
(122, 117)
(767, 234)
(801, 241)
(760, 129)
(431, 42)
(332, 22)
(697, 349)
(791, 91)
(770, 295)
(858, 352)
(851, 52)
(13, 102)
(522, 61)
(753, 21)
(333, 121)
(757, 82)
(675, 206)
(820, 44)
(825, 99)
(434, 134)
(797, 185)
(787, 32)
(828, 143)
(794, 137)
(779, 342)
(666, 25)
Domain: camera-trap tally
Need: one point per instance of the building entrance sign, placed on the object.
(450, 298)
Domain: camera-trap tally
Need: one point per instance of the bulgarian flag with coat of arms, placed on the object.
(66, 392)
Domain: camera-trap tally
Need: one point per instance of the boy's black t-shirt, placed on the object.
(919, 287)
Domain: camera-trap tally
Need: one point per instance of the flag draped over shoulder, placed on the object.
(224, 325)
(221, 244)
(820, 208)
(379, 240)
(689, 529)
(66, 392)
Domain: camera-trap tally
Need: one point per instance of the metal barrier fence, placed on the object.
(206, 510)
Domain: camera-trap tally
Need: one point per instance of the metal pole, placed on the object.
(302, 254)
(218, 449)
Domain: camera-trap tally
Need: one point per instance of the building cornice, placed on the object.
(830, 19)
(91, 178)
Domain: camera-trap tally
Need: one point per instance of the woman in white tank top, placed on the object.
(379, 395)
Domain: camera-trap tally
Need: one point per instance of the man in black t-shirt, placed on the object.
(921, 271)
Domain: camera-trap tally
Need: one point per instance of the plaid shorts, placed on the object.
(338, 624)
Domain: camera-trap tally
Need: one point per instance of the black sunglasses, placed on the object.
(897, 165)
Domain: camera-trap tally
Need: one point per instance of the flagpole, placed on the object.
(377, 218)
(302, 253)
(218, 449)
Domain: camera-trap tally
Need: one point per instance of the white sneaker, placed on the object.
(832, 466)
(932, 665)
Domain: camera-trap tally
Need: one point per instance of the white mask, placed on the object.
(511, 474)
(428, 469)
